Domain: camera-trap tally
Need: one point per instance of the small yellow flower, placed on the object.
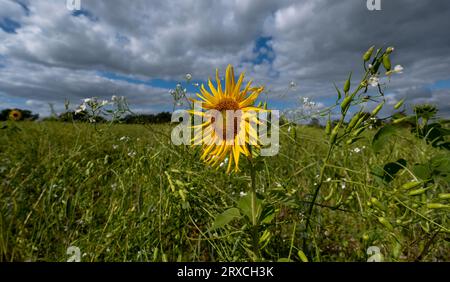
(15, 115)
(218, 140)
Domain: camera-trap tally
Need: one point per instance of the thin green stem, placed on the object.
(254, 211)
(253, 193)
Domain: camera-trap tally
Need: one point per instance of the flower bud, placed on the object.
(368, 54)
(389, 50)
(347, 84)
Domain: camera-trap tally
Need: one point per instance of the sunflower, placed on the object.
(15, 115)
(224, 141)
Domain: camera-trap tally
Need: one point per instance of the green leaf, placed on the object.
(391, 169)
(268, 215)
(245, 205)
(226, 217)
(338, 91)
(381, 137)
(422, 171)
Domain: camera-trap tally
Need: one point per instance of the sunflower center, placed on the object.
(227, 104)
(227, 129)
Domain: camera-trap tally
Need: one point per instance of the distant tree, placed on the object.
(164, 117)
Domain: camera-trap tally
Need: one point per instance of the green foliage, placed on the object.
(70, 185)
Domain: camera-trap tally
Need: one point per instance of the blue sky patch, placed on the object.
(8, 25)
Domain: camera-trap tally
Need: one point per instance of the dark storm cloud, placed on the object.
(314, 43)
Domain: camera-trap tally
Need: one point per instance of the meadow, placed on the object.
(126, 193)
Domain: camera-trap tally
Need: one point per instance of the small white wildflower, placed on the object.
(305, 100)
(242, 194)
(87, 100)
(132, 154)
(357, 150)
(292, 84)
(124, 138)
(188, 76)
(328, 179)
(289, 129)
(114, 98)
(115, 147)
(343, 184)
(370, 66)
(80, 109)
(196, 84)
(224, 162)
(104, 103)
(398, 69)
(374, 81)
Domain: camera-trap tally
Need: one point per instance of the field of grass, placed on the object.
(126, 193)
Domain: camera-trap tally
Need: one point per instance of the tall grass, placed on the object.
(125, 193)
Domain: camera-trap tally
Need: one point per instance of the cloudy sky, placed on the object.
(141, 49)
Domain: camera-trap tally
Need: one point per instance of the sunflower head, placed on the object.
(229, 119)
(15, 115)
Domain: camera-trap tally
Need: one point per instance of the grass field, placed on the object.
(126, 193)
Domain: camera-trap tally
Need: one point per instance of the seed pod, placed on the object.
(410, 185)
(399, 104)
(363, 118)
(437, 206)
(353, 121)
(302, 256)
(385, 222)
(400, 120)
(417, 192)
(377, 109)
(387, 62)
(444, 196)
(358, 132)
(347, 84)
(334, 134)
(368, 54)
(377, 203)
(329, 195)
(346, 103)
(328, 127)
